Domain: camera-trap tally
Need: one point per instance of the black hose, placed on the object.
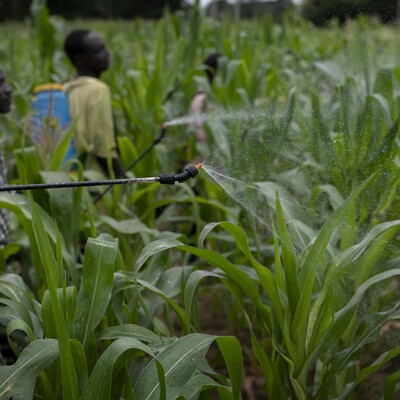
(60, 185)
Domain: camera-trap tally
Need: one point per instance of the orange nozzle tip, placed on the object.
(199, 165)
(164, 125)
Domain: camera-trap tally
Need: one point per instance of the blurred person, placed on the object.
(198, 105)
(90, 102)
(5, 106)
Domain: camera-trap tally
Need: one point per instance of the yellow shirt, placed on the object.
(90, 106)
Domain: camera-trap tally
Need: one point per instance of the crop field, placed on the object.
(273, 274)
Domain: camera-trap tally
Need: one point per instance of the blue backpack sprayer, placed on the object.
(50, 106)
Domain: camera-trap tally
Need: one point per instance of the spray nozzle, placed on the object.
(190, 172)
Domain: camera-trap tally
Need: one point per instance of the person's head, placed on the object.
(5, 93)
(211, 65)
(87, 52)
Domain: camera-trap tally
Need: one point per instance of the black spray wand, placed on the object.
(166, 179)
(130, 166)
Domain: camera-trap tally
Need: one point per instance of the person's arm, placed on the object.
(197, 110)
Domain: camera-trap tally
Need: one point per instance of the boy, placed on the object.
(90, 102)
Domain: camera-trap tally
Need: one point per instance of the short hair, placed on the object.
(74, 43)
(211, 64)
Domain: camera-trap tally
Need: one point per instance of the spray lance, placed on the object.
(157, 140)
(167, 179)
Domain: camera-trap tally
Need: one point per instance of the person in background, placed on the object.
(198, 104)
(90, 102)
(5, 106)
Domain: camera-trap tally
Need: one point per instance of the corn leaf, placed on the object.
(19, 377)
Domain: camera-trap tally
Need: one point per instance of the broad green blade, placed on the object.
(181, 361)
(19, 377)
(129, 330)
(95, 295)
(53, 274)
(124, 349)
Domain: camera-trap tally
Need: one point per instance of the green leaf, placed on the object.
(129, 226)
(196, 385)
(65, 206)
(153, 248)
(129, 330)
(321, 319)
(191, 287)
(231, 351)
(390, 385)
(67, 299)
(123, 349)
(288, 259)
(52, 270)
(180, 361)
(19, 377)
(95, 295)
(312, 261)
(61, 150)
(20, 205)
(275, 382)
(19, 325)
(80, 363)
(172, 303)
(267, 278)
(367, 371)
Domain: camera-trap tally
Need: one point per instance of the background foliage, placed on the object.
(299, 265)
(319, 11)
(19, 9)
(322, 11)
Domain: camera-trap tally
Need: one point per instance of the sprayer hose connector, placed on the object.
(170, 179)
